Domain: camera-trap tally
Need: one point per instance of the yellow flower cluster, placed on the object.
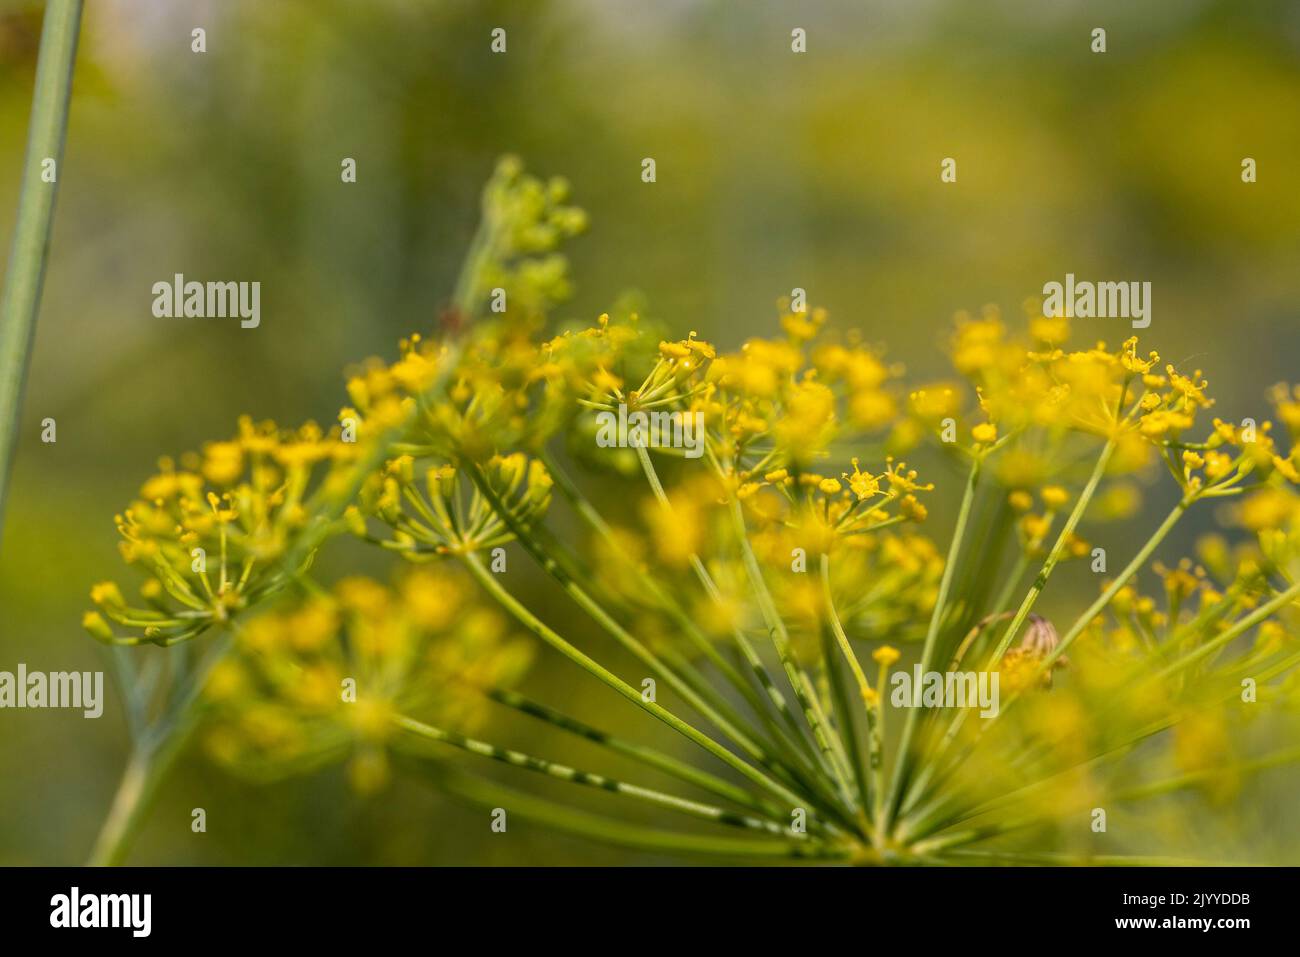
(788, 535)
(525, 220)
(213, 532)
(327, 675)
(452, 511)
(1031, 382)
(781, 403)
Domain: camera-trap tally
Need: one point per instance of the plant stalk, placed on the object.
(29, 253)
(931, 640)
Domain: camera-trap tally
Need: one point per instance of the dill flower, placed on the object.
(450, 510)
(885, 656)
(749, 581)
(211, 531)
(325, 677)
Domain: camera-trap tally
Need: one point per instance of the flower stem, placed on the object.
(1026, 606)
(1080, 623)
(759, 671)
(716, 710)
(672, 606)
(519, 759)
(145, 770)
(864, 686)
(664, 763)
(593, 667)
(1054, 556)
(794, 772)
(612, 832)
(1129, 571)
(827, 739)
(25, 275)
(152, 756)
(932, 633)
(1238, 628)
(1091, 612)
(868, 778)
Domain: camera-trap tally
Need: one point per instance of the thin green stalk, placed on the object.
(844, 708)
(1171, 785)
(949, 841)
(152, 755)
(932, 636)
(593, 667)
(689, 691)
(563, 772)
(756, 666)
(782, 744)
(1070, 860)
(1133, 567)
(693, 689)
(1013, 579)
(868, 778)
(916, 790)
(1091, 612)
(999, 606)
(588, 513)
(864, 686)
(29, 253)
(926, 821)
(1279, 601)
(1054, 556)
(648, 756)
(619, 834)
(144, 773)
(827, 739)
(151, 759)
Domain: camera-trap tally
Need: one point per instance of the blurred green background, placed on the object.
(775, 170)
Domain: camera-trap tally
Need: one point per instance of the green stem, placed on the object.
(31, 243)
(1279, 601)
(1080, 623)
(1054, 556)
(864, 686)
(827, 739)
(925, 821)
(148, 765)
(152, 756)
(1195, 778)
(692, 692)
(868, 778)
(798, 769)
(611, 832)
(761, 675)
(932, 635)
(593, 667)
(588, 513)
(648, 756)
(1133, 567)
(563, 772)
(1070, 860)
(684, 680)
(1097, 606)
